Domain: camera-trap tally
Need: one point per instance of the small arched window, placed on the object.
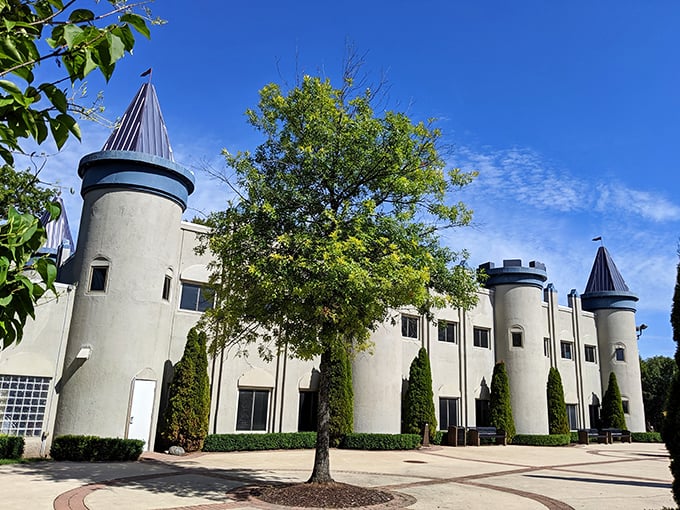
(516, 337)
(167, 285)
(620, 353)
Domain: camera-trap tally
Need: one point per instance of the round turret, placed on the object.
(519, 339)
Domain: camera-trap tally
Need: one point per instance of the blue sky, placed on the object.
(569, 110)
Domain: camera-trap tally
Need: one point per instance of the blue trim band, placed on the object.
(137, 171)
(514, 275)
(609, 300)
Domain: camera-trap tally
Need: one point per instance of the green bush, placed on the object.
(11, 447)
(250, 442)
(185, 421)
(646, 437)
(381, 441)
(439, 437)
(542, 439)
(500, 404)
(574, 436)
(95, 449)
(558, 422)
(419, 398)
(341, 395)
(612, 407)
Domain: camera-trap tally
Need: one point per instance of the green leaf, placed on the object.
(71, 32)
(81, 15)
(56, 96)
(70, 124)
(137, 22)
(59, 132)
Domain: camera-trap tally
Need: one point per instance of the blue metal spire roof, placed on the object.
(605, 276)
(142, 128)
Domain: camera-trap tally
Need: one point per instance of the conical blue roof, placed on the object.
(142, 128)
(605, 276)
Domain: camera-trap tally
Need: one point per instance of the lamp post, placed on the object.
(639, 329)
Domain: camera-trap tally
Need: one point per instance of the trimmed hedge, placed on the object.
(646, 437)
(95, 449)
(542, 439)
(439, 437)
(381, 442)
(574, 436)
(11, 447)
(251, 442)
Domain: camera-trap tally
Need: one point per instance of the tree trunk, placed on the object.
(322, 464)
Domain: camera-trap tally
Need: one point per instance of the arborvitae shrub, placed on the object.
(341, 395)
(671, 428)
(500, 404)
(612, 407)
(185, 421)
(419, 398)
(558, 422)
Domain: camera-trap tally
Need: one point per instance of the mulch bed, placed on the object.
(320, 495)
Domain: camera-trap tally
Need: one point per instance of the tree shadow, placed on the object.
(608, 481)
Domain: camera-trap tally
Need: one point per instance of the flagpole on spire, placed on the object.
(599, 238)
(147, 73)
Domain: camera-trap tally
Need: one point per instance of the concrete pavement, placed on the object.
(601, 477)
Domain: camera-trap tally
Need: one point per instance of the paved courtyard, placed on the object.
(600, 477)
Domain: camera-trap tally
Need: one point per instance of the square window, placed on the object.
(566, 348)
(252, 410)
(480, 337)
(516, 339)
(22, 410)
(409, 326)
(620, 354)
(98, 278)
(447, 332)
(589, 351)
(196, 297)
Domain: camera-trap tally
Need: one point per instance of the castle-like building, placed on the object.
(97, 358)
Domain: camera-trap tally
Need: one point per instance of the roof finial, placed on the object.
(147, 73)
(599, 238)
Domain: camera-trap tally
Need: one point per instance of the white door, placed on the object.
(141, 410)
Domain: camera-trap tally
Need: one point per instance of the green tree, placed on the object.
(20, 237)
(419, 398)
(558, 422)
(185, 421)
(32, 33)
(657, 375)
(336, 224)
(612, 407)
(671, 428)
(500, 403)
(341, 395)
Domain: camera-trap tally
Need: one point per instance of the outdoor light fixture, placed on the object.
(639, 329)
(84, 352)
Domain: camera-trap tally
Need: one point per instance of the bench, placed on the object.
(618, 435)
(585, 436)
(475, 435)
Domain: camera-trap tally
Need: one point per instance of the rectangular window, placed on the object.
(572, 415)
(166, 288)
(98, 278)
(482, 413)
(594, 412)
(589, 351)
(23, 400)
(252, 410)
(565, 347)
(546, 347)
(625, 404)
(195, 297)
(307, 414)
(448, 413)
(448, 332)
(480, 337)
(516, 339)
(409, 326)
(620, 354)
